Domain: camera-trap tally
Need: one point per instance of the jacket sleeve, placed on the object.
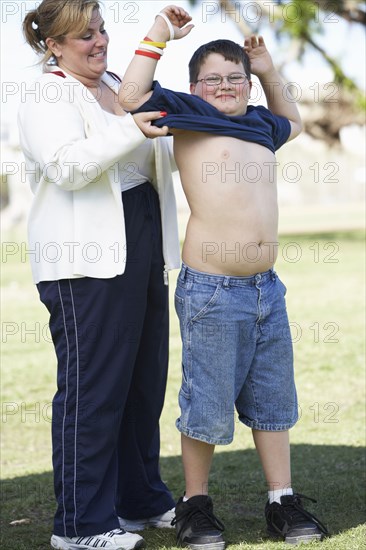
(60, 135)
(170, 147)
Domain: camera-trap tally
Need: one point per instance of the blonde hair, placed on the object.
(55, 19)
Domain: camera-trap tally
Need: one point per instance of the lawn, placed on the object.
(325, 278)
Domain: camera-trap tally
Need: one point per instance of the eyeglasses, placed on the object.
(216, 79)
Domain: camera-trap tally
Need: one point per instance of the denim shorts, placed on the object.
(237, 354)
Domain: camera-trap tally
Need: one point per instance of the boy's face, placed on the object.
(228, 97)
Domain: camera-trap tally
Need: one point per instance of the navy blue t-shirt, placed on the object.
(190, 112)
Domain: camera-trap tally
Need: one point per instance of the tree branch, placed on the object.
(347, 9)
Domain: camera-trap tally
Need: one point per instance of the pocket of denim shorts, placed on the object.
(202, 298)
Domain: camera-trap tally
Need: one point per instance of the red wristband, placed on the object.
(148, 54)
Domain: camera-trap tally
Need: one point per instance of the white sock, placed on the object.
(185, 498)
(275, 495)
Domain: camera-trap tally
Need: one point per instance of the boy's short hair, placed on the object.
(230, 50)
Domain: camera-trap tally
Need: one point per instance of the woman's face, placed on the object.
(83, 56)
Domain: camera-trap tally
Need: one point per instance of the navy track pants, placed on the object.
(111, 342)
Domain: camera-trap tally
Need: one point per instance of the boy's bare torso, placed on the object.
(231, 189)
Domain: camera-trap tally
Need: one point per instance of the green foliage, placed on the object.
(301, 18)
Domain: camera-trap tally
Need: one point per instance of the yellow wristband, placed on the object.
(156, 44)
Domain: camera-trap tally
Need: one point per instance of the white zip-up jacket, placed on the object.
(76, 222)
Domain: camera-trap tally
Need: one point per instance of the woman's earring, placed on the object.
(52, 61)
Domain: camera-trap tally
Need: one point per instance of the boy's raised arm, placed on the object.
(278, 100)
(139, 76)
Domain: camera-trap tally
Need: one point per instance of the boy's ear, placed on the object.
(192, 88)
(250, 87)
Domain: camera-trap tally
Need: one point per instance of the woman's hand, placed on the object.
(178, 17)
(144, 120)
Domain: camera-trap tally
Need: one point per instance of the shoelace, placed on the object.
(300, 512)
(203, 518)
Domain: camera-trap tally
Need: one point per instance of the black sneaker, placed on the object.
(196, 525)
(290, 521)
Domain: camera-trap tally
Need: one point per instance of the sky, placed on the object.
(128, 21)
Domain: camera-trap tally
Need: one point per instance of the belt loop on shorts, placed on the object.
(273, 274)
(226, 282)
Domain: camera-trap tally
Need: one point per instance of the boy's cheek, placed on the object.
(207, 96)
(198, 90)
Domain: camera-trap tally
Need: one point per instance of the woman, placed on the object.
(103, 230)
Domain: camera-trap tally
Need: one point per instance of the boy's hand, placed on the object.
(260, 60)
(261, 65)
(178, 18)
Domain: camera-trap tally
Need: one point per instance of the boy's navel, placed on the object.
(225, 154)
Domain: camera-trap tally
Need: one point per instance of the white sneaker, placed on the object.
(164, 520)
(117, 539)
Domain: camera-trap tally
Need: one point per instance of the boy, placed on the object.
(230, 302)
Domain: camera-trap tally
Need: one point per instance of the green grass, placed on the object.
(324, 274)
